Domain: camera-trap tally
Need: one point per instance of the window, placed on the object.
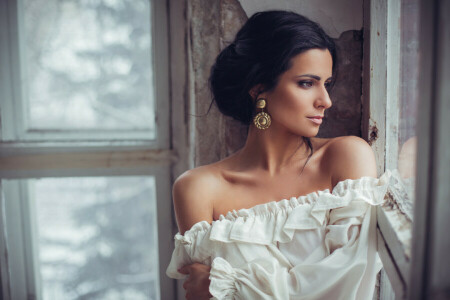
(85, 152)
(78, 233)
(406, 129)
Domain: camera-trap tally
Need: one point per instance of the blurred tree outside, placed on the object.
(103, 246)
(89, 64)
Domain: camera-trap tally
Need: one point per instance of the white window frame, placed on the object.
(47, 155)
(414, 254)
(383, 129)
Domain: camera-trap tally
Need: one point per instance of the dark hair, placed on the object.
(261, 52)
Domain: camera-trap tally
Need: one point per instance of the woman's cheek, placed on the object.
(293, 101)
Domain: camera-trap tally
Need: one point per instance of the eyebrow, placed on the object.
(312, 76)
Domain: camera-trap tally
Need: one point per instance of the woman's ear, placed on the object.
(256, 91)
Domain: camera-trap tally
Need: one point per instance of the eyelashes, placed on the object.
(308, 84)
(305, 84)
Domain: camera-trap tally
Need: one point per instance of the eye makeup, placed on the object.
(309, 83)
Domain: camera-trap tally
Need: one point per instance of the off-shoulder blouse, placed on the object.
(318, 246)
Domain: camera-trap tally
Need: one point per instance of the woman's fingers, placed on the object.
(185, 270)
(197, 283)
(185, 284)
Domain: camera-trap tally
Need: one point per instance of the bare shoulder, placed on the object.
(320, 143)
(192, 196)
(350, 157)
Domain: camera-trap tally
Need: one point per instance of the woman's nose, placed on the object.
(324, 99)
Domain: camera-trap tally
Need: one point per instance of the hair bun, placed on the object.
(261, 52)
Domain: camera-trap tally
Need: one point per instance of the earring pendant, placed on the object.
(261, 120)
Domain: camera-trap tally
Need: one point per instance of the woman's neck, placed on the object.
(272, 150)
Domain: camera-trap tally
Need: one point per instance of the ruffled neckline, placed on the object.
(328, 201)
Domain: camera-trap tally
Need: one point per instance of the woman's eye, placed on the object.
(327, 85)
(305, 84)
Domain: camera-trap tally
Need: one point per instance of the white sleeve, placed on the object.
(348, 272)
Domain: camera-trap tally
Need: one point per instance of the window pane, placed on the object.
(88, 65)
(97, 237)
(408, 94)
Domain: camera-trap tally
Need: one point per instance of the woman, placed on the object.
(240, 236)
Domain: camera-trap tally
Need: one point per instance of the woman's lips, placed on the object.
(316, 120)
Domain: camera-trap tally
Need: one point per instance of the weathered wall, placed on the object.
(334, 16)
(344, 116)
(213, 24)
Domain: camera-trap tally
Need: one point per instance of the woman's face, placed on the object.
(301, 93)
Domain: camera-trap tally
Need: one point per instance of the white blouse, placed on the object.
(318, 246)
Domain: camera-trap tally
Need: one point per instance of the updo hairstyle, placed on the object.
(261, 52)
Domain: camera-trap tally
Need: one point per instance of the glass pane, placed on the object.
(97, 237)
(88, 65)
(408, 94)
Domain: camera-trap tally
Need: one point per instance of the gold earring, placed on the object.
(262, 119)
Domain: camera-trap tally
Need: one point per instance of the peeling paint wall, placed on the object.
(334, 16)
(213, 24)
(344, 116)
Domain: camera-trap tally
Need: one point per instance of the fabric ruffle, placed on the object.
(223, 277)
(276, 222)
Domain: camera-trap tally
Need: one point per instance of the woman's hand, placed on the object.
(197, 283)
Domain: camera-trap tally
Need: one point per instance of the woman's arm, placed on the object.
(197, 284)
(192, 199)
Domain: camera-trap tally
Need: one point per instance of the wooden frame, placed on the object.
(182, 132)
(382, 80)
